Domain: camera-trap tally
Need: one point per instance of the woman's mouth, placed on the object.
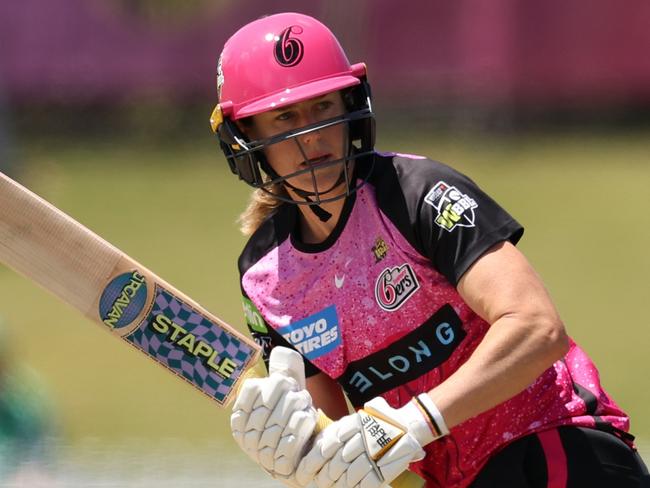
(315, 161)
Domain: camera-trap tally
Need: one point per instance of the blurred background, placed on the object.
(104, 108)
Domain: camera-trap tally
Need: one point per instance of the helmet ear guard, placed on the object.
(359, 98)
(231, 139)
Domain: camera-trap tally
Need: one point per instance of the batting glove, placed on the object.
(273, 418)
(372, 447)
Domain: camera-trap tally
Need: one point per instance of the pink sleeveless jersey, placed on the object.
(375, 307)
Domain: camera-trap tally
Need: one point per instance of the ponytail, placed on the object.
(260, 206)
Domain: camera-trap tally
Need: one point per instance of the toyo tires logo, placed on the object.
(316, 335)
(394, 286)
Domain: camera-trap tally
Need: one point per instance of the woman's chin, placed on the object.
(325, 189)
(327, 185)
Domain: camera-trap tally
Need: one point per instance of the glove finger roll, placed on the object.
(238, 420)
(275, 387)
(296, 435)
(347, 427)
(251, 440)
(336, 467)
(353, 448)
(325, 446)
(247, 394)
(266, 457)
(371, 481)
(360, 469)
(323, 479)
(288, 404)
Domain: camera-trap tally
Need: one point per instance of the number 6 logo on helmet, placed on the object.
(288, 50)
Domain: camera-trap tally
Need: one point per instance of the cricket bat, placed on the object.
(51, 248)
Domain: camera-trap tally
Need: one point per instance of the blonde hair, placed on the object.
(260, 206)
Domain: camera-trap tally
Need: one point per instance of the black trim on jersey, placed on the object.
(609, 428)
(406, 359)
(591, 409)
(591, 402)
(348, 205)
(402, 184)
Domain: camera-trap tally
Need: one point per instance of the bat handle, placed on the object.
(322, 422)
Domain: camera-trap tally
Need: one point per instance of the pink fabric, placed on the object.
(282, 286)
(556, 465)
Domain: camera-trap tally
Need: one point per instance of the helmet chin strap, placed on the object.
(319, 211)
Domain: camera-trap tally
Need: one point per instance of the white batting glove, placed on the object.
(370, 448)
(273, 418)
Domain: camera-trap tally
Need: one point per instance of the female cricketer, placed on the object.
(398, 282)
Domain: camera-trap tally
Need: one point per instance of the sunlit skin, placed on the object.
(319, 146)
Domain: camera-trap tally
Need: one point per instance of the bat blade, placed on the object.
(51, 248)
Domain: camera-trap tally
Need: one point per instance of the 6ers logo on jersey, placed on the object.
(394, 286)
(289, 50)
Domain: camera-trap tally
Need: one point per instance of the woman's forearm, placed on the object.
(514, 352)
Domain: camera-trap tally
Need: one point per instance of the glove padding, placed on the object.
(368, 449)
(273, 418)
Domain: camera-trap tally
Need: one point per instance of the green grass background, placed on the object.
(583, 198)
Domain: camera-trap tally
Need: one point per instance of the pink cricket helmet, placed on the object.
(277, 61)
(280, 60)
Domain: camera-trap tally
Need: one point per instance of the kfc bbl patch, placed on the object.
(455, 209)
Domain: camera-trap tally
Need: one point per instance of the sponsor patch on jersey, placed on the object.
(380, 249)
(406, 359)
(395, 286)
(455, 209)
(253, 316)
(315, 335)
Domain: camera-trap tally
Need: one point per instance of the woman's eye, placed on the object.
(284, 116)
(322, 106)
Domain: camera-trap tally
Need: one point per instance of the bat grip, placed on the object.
(322, 422)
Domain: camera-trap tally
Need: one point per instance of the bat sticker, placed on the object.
(123, 300)
(190, 344)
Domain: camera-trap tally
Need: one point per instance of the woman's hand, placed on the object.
(367, 449)
(273, 419)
